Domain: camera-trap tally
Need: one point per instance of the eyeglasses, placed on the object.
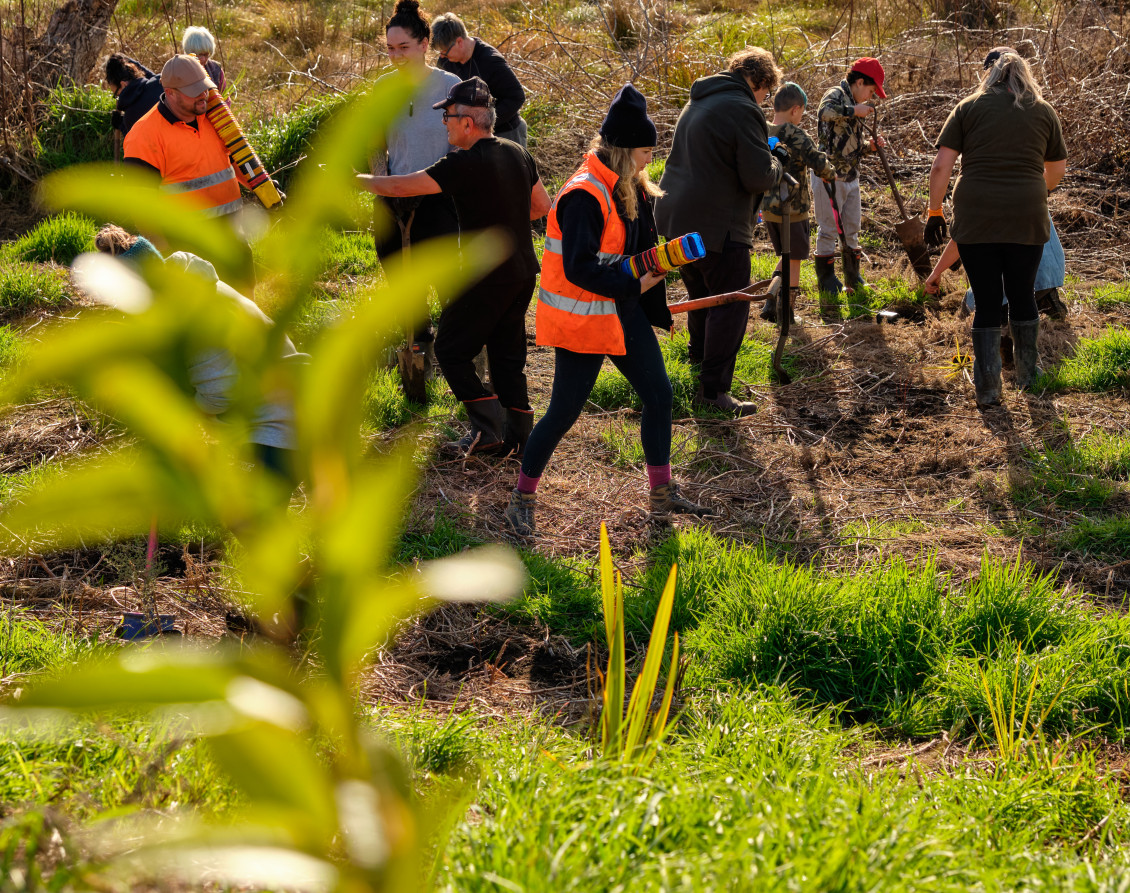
(447, 116)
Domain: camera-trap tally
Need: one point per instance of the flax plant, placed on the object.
(633, 736)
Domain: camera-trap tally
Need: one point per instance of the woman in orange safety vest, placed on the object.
(589, 307)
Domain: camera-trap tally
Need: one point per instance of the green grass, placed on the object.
(752, 792)
(1098, 364)
(754, 367)
(76, 127)
(11, 347)
(284, 139)
(385, 407)
(1076, 476)
(60, 238)
(622, 440)
(1110, 296)
(349, 254)
(24, 288)
(1108, 539)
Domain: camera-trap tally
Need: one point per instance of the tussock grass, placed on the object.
(622, 439)
(60, 238)
(24, 288)
(76, 127)
(1098, 364)
(349, 254)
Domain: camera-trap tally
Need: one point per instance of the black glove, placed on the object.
(781, 154)
(936, 231)
(117, 119)
(279, 190)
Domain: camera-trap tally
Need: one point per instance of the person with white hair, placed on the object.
(199, 41)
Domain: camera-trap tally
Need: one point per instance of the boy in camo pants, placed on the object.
(841, 135)
(789, 104)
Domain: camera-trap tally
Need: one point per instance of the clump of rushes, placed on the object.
(634, 736)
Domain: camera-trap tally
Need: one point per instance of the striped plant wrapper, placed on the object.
(240, 150)
(666, 257)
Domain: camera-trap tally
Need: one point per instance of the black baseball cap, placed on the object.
(472, 92)
(995, 53)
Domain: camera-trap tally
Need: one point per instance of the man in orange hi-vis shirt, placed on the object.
(176, 140)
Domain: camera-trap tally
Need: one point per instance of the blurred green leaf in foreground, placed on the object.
(325, 805)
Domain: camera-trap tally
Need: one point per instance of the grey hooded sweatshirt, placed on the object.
(719, 165)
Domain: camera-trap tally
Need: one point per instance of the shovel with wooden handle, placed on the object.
(911, 231)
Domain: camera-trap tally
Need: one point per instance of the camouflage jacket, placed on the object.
(803, 154)
(841, 133)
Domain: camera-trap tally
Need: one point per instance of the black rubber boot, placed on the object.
(1025, 352)
(415, 364)
(487, 424)
(853, 278)
(769, 311)
(987, 366)
(826, 279)
(519, 424)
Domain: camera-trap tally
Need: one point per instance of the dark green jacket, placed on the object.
(719, 165)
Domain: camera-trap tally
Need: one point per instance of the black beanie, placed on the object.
(627, 125)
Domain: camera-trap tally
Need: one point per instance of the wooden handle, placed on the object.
(887, 168)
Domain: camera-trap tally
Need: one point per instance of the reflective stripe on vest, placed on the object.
(568, 316)
(193, 161)
(554, 245)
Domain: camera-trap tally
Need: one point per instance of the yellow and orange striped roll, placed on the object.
(666, 257)
(242, 155)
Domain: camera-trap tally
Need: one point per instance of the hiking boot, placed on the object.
(826, 279)
(1050, 303)
(853, 279)
(1025, 352)
(667, 500)
(769, 311)
(726, 403)
(485, 435)
(987, 366)
(519, 424)
(519, 513)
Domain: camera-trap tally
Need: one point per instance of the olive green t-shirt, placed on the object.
(1000, 194)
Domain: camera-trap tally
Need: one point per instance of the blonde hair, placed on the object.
(114, 240)
(198, 39)
(1013, 73)
(628, 183)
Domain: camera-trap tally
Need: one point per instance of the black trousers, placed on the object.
(717, 333)
(996, 269)
(435, 215)
(493, 316)
(575, 374)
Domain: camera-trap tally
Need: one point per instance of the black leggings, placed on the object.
(574, 375)
(996, 269)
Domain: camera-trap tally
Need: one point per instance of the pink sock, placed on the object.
(658, 475)
(527, 484)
